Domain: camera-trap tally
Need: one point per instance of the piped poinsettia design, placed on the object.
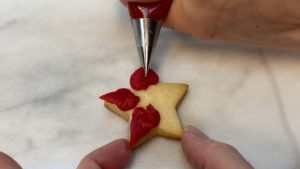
(143, 120)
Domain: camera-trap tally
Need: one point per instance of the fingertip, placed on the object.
(115, 155)
(7, 162)
(204, 152)
(192, 136)
(194, 131)
(122, 147)
(193, 145)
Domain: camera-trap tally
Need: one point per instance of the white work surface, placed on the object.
(58, 56)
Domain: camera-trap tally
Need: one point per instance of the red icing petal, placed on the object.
(138, 81)
(123, 98)
(142, 122)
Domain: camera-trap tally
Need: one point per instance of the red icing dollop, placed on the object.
(123, 98)
(139, 81)
(142, 122)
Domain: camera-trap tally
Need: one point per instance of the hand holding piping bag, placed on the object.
(251, 22)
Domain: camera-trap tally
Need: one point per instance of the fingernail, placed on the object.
(194, 131)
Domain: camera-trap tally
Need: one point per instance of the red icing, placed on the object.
(138, 81)
(154, 10)
(123, 98)
(142, 122)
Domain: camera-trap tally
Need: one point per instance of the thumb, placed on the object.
(8, 163)
(205, 153)
(114, 155)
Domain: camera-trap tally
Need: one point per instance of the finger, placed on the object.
(114, 155)
(8, 163)
(205, 153)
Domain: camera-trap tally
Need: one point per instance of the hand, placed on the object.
(203, 153)
(114, 155)
(267, 23)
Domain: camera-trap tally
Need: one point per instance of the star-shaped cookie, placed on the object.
(163, 97)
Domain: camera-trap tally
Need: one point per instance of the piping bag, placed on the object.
(147, 19)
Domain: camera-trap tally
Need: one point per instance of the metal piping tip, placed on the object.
(146, 72)
(146, 33)
(146, 67)
(145, 54)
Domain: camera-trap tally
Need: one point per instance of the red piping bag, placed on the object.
(147, 19)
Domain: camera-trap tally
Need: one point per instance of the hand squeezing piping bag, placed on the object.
(147, 19)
